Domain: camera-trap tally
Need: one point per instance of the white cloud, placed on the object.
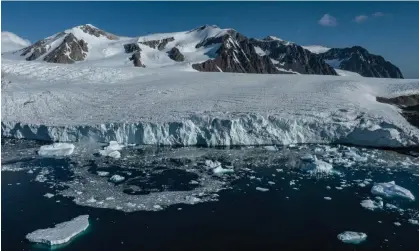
(378, 14)
(361, 18)
(328, 20)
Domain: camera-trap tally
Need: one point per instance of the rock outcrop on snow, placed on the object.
(69, 51)
(176, 55)
(158, 44)
(358, 59)
(409, 104)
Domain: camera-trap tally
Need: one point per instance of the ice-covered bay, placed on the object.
(179, 107)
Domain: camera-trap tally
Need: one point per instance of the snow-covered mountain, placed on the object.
(12, 42)
(207, 48)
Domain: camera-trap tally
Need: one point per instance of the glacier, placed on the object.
(73, 103)
(61, 233)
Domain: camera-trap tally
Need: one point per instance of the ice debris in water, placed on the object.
(372, 205)
(261, 189)
(270, 148)
(316, 165)
(48, 195)
(112, 150)
(390, 189)
(413, 221)
(56, 149)
(352, 237)
(327, 198)
(212, 164)
(102, 173)
(60, 233)
(117, 178)
(219, 170)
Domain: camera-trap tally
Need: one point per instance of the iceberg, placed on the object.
(112, 150)
(60, 233)
(352, 237)
(56, 149)
(390, 189)
(219, 170)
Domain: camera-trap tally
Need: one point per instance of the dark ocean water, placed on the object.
(284, 218)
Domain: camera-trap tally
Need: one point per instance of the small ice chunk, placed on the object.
(327, 198)
(292, 182)
(413, 221)
(279, 170)
(270, 148)
(352, 237)
(115, 154)
(56, 149)
(261, 189)
(102, 173)
(390, 189)
(319, 166)
(212, 164)
(193, 182)
(117, 178)
(307, 157)
(219, 170)
(60, 233)
(271, 183)
(48, 195)
(397, 224)
(372, 205)
(157, 207)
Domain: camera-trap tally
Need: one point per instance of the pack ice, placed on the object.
(56, 149)
(390, 189)
(60, 233)
(352, 237)
(175, 105)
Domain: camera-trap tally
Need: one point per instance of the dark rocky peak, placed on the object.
(272, 38)
(204, 27)
(130, 48)
(358, 59)
(92, 30)
(69, 51)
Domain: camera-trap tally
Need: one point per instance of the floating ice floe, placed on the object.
(60, 233)
(327, 198)
(397, 224)
(102, 173)
(212, 164)
(372, 205)
(48, 195)
(112, 150)
(318, 166)
(11, 168)
(117, 178)
(352, 237)
(413, 221)
(270, 148)
(56, 149)
(390, 189)
(219, 170)
(261, 189)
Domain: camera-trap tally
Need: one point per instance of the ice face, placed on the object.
(60, 233)
(56, 149)
(352, 237)
(390, 189)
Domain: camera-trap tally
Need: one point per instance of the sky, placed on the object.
(390, 29)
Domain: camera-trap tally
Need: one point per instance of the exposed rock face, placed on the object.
(358, 59)
(136, 59)
(158, 44)
(293, 57)
(409, 105)
(175, 55)
(69, 51)
(233, 56)
(89, 29)
(130, 48)
(35, 51)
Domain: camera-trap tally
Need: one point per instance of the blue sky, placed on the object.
(392, 32)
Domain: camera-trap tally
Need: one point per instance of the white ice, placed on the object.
(352, 237)
(56, 149)
(60, 233)
(319, 166)
(48, 195)
(372, 205)
(102, 173)
(261, 189)
(112, 150)
(390, 189)
(173, 106)
(220, 170)
(117, 178)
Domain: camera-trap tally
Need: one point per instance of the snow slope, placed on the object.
(316, 48)
(178, 107)
(12, 42)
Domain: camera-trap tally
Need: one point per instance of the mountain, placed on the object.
(12, 42)
(358, 59)
(207, 48)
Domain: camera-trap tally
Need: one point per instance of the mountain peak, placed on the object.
(272, 38)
